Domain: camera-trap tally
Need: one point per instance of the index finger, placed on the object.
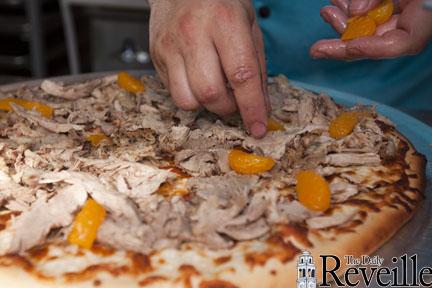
(329, 49)
(240, 62)
(391, 44)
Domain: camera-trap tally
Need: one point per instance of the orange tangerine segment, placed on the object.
(352, 19)
(344, 124)
(249, 163)
(382, 13)
(43, 109)
(5, 103)
(96, 139)
(313, 191)
(273, 125)
(359, 27)
(86, 224)
(130, 83)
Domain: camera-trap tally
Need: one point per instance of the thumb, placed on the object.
(360, 7)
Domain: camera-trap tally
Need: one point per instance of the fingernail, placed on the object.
(359, 6)
(319, 54)
(258, 129)
(326, 17)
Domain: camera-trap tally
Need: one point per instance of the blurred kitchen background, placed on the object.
(43, 38)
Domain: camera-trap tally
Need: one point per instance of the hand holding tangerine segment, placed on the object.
(360, 26)
(382, 13)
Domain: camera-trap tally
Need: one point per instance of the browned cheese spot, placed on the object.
(186, 273)
(279, 249)
(102, 250)
(39, 252)
(151, 280)
(16, 261)
(216, 284)
(299, 233)
(222, 260)
(140, 263)
(90, 272)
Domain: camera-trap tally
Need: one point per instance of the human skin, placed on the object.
(210, 53)
(406, 33)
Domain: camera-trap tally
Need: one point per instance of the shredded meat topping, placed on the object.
(48, 167)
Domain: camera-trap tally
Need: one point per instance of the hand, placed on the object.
(406, 33)
(198, 46)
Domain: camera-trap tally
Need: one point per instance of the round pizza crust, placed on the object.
(365, 239)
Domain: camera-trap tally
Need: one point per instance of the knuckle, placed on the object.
(185, 22)
(210, 94)
(187, 26)
(223, 10)
(242, 74)
(232, 12)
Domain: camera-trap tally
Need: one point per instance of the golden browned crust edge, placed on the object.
(378, 228)
(367, 238)
(417, 165)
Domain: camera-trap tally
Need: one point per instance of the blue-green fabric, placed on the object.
(294, 25)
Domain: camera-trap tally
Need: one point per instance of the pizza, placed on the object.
(105, 183)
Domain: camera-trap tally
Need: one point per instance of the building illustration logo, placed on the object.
(306, 272)
(365, 269)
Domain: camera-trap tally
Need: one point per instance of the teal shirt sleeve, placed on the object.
(291, 27)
